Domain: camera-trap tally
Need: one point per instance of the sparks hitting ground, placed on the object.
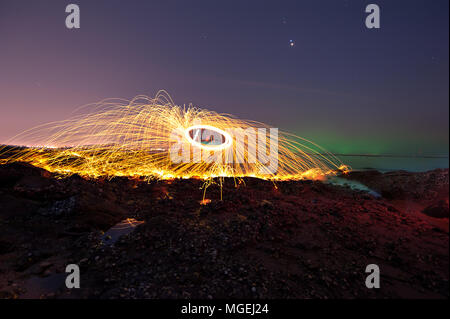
(135, 138)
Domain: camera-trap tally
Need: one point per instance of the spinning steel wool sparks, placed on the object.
(154, 138)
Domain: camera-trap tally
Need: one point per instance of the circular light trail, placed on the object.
(198, 132)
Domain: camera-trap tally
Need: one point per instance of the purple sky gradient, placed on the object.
(350, 89)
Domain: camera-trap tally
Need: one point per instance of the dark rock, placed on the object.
(61, 207)
(299, 239)
(5, 247)
(438, 210)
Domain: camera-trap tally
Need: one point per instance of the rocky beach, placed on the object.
(134, 238)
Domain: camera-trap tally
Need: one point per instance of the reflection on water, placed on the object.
(391, 163)
(37, 287)
(125, 227)
(352, 184)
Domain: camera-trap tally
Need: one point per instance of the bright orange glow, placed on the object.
(134, 138)
(205, 201)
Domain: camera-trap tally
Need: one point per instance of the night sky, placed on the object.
(348, 88)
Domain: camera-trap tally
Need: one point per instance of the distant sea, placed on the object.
(393, 163)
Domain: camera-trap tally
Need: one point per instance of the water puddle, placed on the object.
(36, 287)
(125, 227)
(352, 184)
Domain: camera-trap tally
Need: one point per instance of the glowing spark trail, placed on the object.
(134, 138)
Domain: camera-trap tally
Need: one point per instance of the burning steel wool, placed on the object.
(154, 138)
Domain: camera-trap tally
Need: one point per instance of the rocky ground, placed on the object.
(263, 240)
